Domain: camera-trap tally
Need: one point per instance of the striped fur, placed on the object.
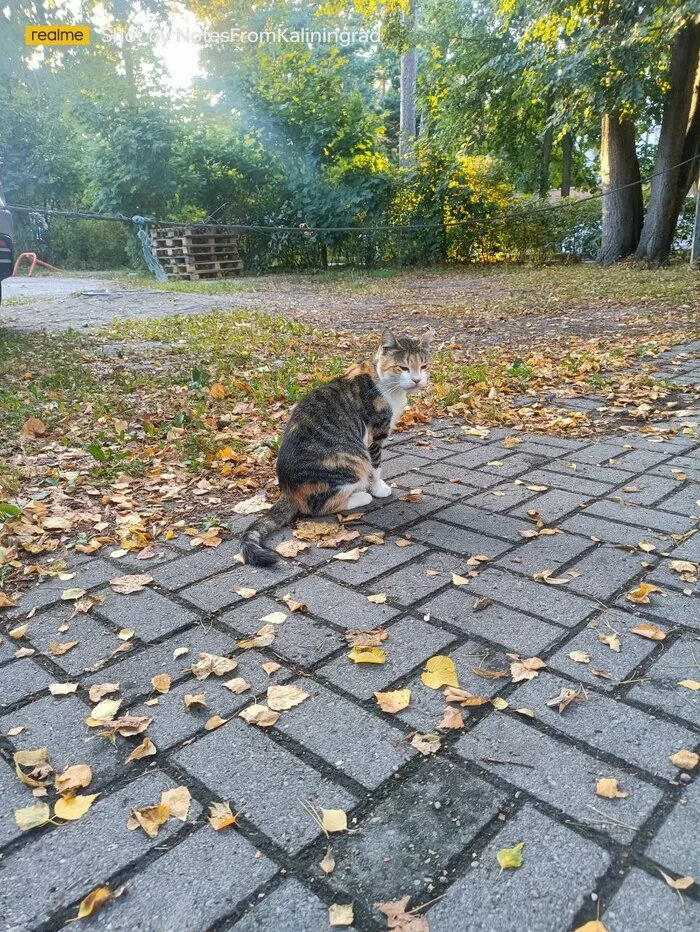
(330, 458)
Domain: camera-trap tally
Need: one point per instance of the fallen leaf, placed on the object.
(682, 566)
(579, 656)
(62, 689)
(651, 632)
(511, 858)
(393, 701)
(348, 555)
(73, 808)
(126, 585)
(463, 697)
(439, 671)
(24, 652)
(292, 548)
(146, 749)
(32, 816)
(18, 633)
(426, 744)
(646, 546)
(451, 718)
(58, 649)
(480, 603)
(13, 732)
(94, 901)
(458, 580)
(334, 820)
(366, 638)
(292, 604)
(612, 640)
(280, 698)
(271, 667)
(367, 655)
(608, 788)
(33, 427)
(180, 652)
(217, 391)
(274, 618)
(161, 682)
(199, 700)
(216, 721)
(640, 595)
(565, 698)
(126, 634)
(499, 703)
(686, 760)
(528, 713)
(327, 865)
(399, 920)
(100, 690)
(526, 669)
(546, 577)
(104, 711)
(315, 530)
(245, 592)
(264, 637)
(129, 725)
(252, 506)
(76, 777)
(489, 674)
(237, 685)
(149, 818)
(595, 925)
(178, 801)
(682, 883)
(377, 538)
(208, 664)
(70, 595)
(402, 542)
(220, 816)
(690, 684)
(259, 715)
(340, 914)
(378, 599)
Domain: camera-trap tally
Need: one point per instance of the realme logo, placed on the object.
(57, 35)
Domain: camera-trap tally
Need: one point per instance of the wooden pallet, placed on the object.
(194, 254)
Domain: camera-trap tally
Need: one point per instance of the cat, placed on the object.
(331, 452)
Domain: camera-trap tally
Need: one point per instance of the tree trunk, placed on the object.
(545, 159)
(664, 200)
(623, 209)
(409, 84)
(688, 172)
(567, 148)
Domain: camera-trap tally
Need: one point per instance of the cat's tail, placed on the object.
(252, 545)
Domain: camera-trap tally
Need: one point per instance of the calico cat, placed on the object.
(331, 453)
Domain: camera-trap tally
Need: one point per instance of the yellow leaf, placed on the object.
(612, 640)
(464, 697)
(220, 816)
(217, 391)
(451, 719)
(511, 858)
(270, 667)
(458, 580)
(216, 721)
(58, 649)
(161, 682)
(348, 555)
(690, 684)
(646, 547)
(70, 595)
(340, 915)
(440, 671)
(100, 690)
(499, 704)
(640, 595)
(595, 925)
(686, 760)
(607, 788)
(245, 592)
(104, 711)
(17, 633)
(393, 701)
(579, 656)
(334, 820)
(649, 631)
(62, 689)
(280, 698)
(73, 778)
(426, 744)
(32, 816)
(367, 655)
(146, 749)
(292, 604)
(378, 599)
(149, 818)
(274, 618)
(94, 901)
(73, 808)
(178, 801)
(259, 715)
(682, 883)
(126, 634)
(528, 713)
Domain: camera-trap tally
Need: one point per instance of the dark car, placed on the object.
(6, 234)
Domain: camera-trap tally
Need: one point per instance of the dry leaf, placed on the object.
(348, 555)
(366, 638)
(32, 816)
(464, 698)
(612, 640)
(146, 749)
(292, 604)
(216, 721)
(178, 801)
(126, 634)
(149, 818)
(690, 684)
(595, 925)
(129, 725)
(480, 603)
(180, 652)
(399, 920)
(458, 580)
(426, 744)
(76, 777)
(220, 816)
(24, 652)
(393, 701)
(546, 577)
(271, 667)
(608, 788)
(649, 631)
(100, 690)
(686, 760)
(161, 682)
(17, 633)
(526, 669)
(579, 656)
(58, 649)
(199, 700)
(402, 542)
(528, 713)
(315, 530)
(489, 674)
(376, 538)
(280, 698)
(565, 698)
(70, 595)
(640, 595)
(646, 547)
(682, 883)
(252, 506)
(499, 703)
(62, 689)
(259, 715)
(94, 901)
(334, 820)
(208, 664)
(367, 655)
(104, 711)
(237, 685)
(73, 808)
(439, 671)
(451, 718)
(274, 618)
(378, 599)
(263, 638)
(682, 566)
(327, 865)
(245, 592)
(511, 858)
(340, 914)
(292, 548)
(126, 585)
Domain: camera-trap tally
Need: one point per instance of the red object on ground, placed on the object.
(35, 261)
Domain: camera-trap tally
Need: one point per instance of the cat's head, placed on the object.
(402, 362)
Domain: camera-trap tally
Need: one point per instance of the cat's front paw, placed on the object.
(381, 489)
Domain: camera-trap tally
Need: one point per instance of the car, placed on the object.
(6, 236)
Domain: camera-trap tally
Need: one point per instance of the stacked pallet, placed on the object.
(196, 253)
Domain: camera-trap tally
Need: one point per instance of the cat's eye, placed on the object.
(405, 368)
(424, 366)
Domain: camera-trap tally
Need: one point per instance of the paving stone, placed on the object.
(608, 725)
(95, 639)
(450, 472)
(452, 491)
(429, 452)
(609, 475)
(67, 863)
(13, 795)
(240, 763)
(659, 685)
(560, 869)
(605, 570)
(688, 463)
(642, 460)
(149, 613)
(403, 463)
(218, 592)
(132, 563)
(613, 532)
(557, 443)
(558, 774)
(501, 497)
(619, 664)
(600, 453)
(21, 679)
(548, 602)
(665, 577)
(688, 550)
(684, 501)
(539, 553)
(553, 505)
(396, 513)
(412, 583)
(513, 465)
(196, 565)
(479, 456)
(354, 741)
(492, 525)
(378, 559)
(58, 723)
(676, 843)
(568, 480)
(427, 705)
(335, 603)
(651, 490)
(410, 643)
(407, 841)
(672, 607)
(513, 630)
(190, 898)
(462, 541)
(646, 903)
(291, 907)
(135, 670)
(87, 575)
(650, 518)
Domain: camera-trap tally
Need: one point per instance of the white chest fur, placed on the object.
(398, 400)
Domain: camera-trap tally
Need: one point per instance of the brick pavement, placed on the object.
(424, 827)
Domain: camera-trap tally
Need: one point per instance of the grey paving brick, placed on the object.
(240, 763)
(13, 795)
(538, 553)
(196, 565)
(396, 513)
(663, 576)
(604, 570)
(418, 580)
(415, 833)
(87, 575)
(560, 869)
(689, 549)
(21, 679)
(451, 471)
(149, 613)
(427, 705)
(335, 603)
(502, 497)
(132, 563)
(492, 525)
(558, 774)
(600, 452)
(606, 724)
(452, 491)
(569, 480)
(218, 592)
(354, 741)
(135, 670)
(59, 725)
(458, 539)
(659, 685)
(619, 665)
(675, 845)
(513, 630)
(557, 443)
(553, 505)
(377, 559)
(188, 899)
(424, 449)
(478, 456)
(613, 532)
(671, 606)
(548, 602)
(291, 907)
(410, 642)
(403, 463)
(685, 500)
(687, 462)
(66, 864)
(513, 464)
(609, 475)
(650, 518)
(641, 460)
(651, 490)
(95, 639)
(645, 903)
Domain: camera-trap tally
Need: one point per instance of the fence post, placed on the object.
(695, 248)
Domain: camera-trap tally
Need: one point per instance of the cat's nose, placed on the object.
(416, 380)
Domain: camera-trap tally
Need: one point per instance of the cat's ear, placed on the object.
(389, 341)
(426, 340)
